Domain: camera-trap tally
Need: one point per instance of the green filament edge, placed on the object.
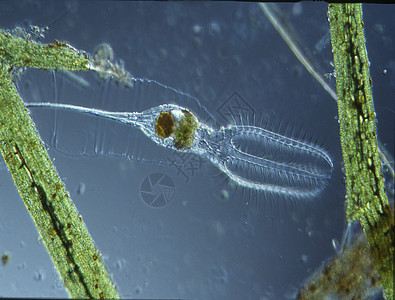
(366, 200)
(44, 195)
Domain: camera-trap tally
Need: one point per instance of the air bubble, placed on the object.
(214, 28)
(81, 188)
(196, 29)
(39, 275)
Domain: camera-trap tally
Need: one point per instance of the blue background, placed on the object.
(201, 245)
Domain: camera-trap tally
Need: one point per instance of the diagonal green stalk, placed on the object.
(45, 197)
(319, 282)
(274, 16)
(366, 198)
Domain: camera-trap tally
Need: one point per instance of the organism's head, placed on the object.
(178, 124)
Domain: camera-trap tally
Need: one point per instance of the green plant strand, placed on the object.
(45, 197)
(280, 24)
(366, 199)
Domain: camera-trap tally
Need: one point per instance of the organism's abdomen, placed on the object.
(262, 160)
